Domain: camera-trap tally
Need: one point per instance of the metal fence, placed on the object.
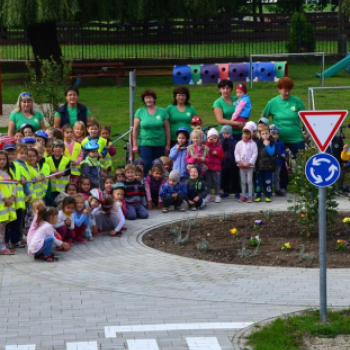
(210, 37)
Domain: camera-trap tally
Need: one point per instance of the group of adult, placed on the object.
(155, 128)
(70, 112)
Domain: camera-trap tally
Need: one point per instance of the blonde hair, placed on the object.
(37, 205)
(22, 97)
(197, 132)
(130, 167)
(120, 171)
(39, 146)
(165, 160)
(82, 126)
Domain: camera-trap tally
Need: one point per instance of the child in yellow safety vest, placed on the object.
(13, 228)
(106, 163)
(58, 163)
(44, 169)
(8, 193)
(73, 151)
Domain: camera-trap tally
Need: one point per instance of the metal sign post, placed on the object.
(132, 86)
(322, 170)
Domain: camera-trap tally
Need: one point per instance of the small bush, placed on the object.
(301, 35)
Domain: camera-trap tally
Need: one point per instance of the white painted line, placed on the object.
(110, 331)
(20, 347)
(203, 343)
(142, 344)
(86, 345)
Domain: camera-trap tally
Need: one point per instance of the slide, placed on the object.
(336, 67)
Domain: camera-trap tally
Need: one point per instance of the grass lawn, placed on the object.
(288, 333)
(110, 104)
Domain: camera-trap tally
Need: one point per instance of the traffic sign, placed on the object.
(323, 125)
(322, 170)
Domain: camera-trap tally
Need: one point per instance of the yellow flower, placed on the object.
(340, 241)
(286, 246)
(233, 231)
(346, 220)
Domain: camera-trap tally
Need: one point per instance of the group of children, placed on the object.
(56, 186)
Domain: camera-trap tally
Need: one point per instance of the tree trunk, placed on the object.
(43, 38)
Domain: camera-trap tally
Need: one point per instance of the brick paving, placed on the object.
(120, 282)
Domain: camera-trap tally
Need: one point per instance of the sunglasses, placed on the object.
(24, 94)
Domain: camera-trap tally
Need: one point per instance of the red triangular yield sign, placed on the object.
(323, 125)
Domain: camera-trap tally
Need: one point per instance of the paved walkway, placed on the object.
(98, 290)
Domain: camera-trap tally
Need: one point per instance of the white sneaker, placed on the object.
(208, 198)
(203, 205)
(217, 199)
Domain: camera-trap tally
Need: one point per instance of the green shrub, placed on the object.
(301, 34)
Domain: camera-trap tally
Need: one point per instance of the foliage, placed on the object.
(301, 34)
(345, 7)
(306, 197)
(340, 244)
(203, 246)
(254, 241)
(286, 247)
(305, 256)
(48, 88)
(288, 333)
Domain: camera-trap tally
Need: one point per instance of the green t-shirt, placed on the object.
(179, 119)
(19, 119)
(73, 114)
(284, 114)
(151, 132)
(227, 111)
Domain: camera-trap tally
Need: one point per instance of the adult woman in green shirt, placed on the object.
(72, 111)
(25, 113)
(224, 107)
(151, 133)
(283, 109)
(180, 112)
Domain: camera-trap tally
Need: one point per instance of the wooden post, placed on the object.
(0, 90)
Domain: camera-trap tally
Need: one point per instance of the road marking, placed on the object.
(142, 344)
(20, 347)
(203, 343)
(110, 331)
(87, 345)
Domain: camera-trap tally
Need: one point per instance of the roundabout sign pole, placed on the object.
(322, 170)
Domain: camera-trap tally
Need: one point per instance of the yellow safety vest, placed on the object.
(45, 170)
(101, 142)
(58, 184)
(37, 186)
(106, 162)
(74, 156)
(20, 197)
(24, 172)
(7, 214)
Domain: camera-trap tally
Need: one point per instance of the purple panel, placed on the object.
(238, 71)
(209, 73)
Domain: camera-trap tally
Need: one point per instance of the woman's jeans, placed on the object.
(148, 154)
(47, 247)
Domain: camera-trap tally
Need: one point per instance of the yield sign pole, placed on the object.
(322, 126)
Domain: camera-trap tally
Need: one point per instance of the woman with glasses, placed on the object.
(180, 112)
(72, 111)
(25, 113)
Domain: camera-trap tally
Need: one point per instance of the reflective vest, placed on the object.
(106, 162)
(37, 186)
(20, 201)
(101, 142)
(58, 184)
(45, 170)
(24, 172)
(7, 214)
(74, 156)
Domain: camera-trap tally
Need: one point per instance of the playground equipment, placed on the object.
(212, 73)
(336, 68)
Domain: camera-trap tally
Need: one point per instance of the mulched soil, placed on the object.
(277, 229)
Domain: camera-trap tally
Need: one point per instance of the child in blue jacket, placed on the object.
(173, 192)
(179, 151)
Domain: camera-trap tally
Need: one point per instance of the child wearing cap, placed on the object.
(179, 151)
(246, 153)
(281, 158)
(263, 124)
(91, 165)
(214, 163)
(230, 171)
(28, 130)
(196, 123)
(173, 192)
(243, 104)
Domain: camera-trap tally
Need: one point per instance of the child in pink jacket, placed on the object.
(214, 163)
(246, 153)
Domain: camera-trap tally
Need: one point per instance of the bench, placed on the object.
(98, 69)
(149, 71)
